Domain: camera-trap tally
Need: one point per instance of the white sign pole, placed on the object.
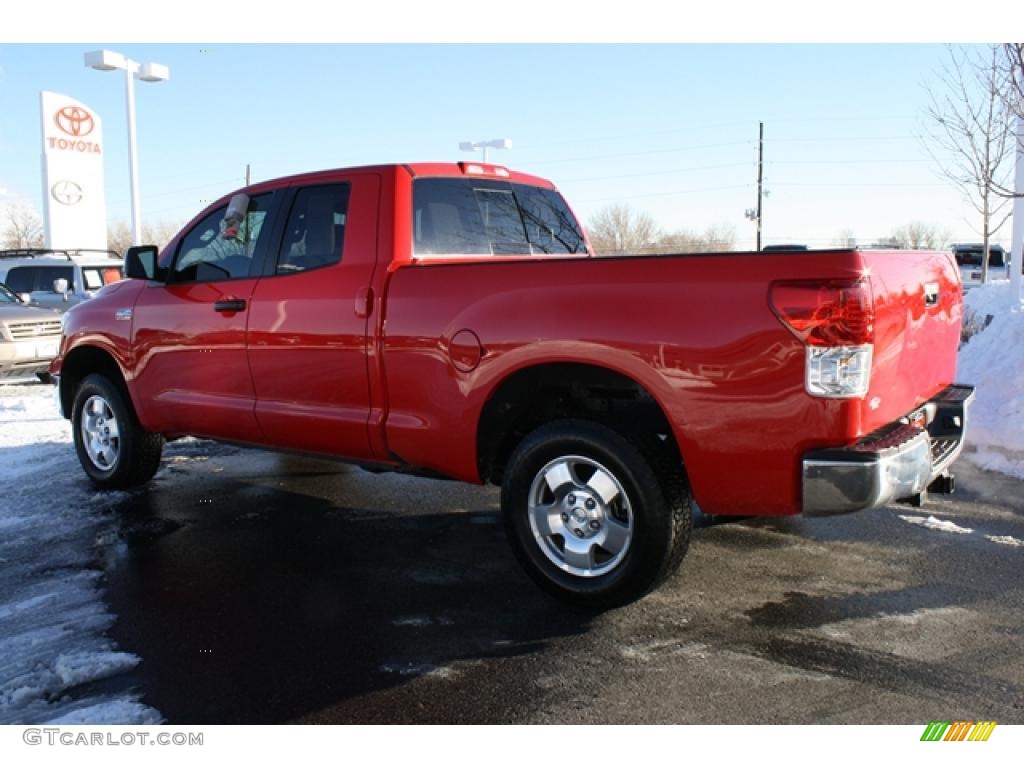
(1017, 243)
(74, 204)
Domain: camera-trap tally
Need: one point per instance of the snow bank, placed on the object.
(56, 664)
(993, 361)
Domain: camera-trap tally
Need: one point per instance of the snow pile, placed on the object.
(993, 361)
(56, 665)
(935, 524)
(1008, 540)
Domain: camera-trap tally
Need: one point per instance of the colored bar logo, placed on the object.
(958, 730)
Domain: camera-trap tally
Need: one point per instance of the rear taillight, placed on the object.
(836, 322)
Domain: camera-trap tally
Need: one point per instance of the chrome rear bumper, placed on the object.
(897, 462)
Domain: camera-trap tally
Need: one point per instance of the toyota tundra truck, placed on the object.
(452, 319)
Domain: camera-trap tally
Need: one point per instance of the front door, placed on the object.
(189, 333)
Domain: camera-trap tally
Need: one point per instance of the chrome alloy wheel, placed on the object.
(580, 516)
(100, 435)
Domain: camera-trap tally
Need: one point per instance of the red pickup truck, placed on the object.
(452, 319)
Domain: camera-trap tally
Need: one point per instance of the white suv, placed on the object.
(968, 258)
(35, 274)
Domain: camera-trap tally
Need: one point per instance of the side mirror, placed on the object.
(26, 298)
(60, 285)
(140, 263)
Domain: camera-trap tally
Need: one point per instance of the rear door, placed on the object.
(307, 336)
(189, 334)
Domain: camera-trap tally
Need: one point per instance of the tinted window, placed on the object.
(315, 234)
(476, 216)
(971, 257)
(550, 225)
(30, 279)
(221, 249)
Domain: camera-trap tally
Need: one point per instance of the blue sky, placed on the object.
(669, 129)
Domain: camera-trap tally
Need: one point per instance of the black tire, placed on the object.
(130, 459)
(651, 500)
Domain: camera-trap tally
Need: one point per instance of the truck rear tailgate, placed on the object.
(917, 298)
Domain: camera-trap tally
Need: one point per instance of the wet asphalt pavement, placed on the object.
(261, 588)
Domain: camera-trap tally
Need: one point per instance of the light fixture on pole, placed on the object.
(473, 146)
(106, 61)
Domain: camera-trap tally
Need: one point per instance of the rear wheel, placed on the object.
(595, 519)
(114, 450)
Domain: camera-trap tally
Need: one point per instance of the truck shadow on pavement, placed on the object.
(255, 602)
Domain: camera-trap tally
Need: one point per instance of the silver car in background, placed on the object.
(58, 278)
(29, 338)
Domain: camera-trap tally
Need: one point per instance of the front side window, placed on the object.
(222, 245)
(315, 234)
(482, 217)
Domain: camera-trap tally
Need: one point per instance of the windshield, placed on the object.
(7, 296)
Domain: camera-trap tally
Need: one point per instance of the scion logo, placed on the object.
(74, 121)
(66, 192)
(959, 730)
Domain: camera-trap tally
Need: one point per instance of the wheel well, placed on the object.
(81, 362)
(531, 397)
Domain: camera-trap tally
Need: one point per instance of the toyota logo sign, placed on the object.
(74, 121)
(66, 192)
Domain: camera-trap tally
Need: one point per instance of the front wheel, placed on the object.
(114, 450)
(595, 519)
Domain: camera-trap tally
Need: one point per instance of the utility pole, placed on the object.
(247, 174)
(760, 177)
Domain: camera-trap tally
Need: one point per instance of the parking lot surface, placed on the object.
(265, 588)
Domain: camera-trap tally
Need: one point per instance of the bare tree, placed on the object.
(845, 239)
(1013, 64)
(972, 138)
(24, 227)
(616, 230)
(721, 237)
(918, 234)
(119, 235)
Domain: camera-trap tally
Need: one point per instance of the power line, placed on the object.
(657, 173)
(845, 138)
(668, 194)
(640, 154)
(181, 191)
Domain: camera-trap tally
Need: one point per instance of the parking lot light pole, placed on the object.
(106, 61)
(473, 146)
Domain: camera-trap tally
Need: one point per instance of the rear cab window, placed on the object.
(481, 217)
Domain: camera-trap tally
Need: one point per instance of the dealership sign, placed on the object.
(73, 201)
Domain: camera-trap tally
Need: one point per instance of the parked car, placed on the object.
(29, 338)
(785, 247)
(450, 319)
(58, 278)
(969, 258)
